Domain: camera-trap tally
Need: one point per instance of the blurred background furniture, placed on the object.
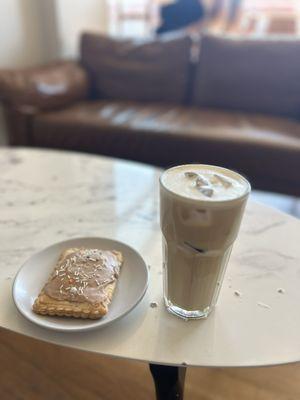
(237, 106)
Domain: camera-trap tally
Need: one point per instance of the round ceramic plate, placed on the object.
(35, 272)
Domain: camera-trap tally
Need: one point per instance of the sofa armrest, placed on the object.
(43, 88)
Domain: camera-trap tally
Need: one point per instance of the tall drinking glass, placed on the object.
(201, 208)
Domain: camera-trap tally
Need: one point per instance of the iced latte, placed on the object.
(201, 211)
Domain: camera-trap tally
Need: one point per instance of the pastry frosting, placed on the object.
(82, 276)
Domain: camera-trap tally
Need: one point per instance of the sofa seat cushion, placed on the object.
(265, 149)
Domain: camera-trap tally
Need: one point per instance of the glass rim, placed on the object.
(203, 201)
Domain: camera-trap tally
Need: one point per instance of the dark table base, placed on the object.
(169, 381)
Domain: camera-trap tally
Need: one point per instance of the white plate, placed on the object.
(131, 287)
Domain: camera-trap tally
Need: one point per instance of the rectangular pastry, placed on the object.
(81, 285)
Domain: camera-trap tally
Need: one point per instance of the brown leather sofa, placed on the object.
(236, 105)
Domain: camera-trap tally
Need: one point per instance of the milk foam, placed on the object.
(205, 182)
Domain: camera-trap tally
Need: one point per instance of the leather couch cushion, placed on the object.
(47, 87)
(265, 149)
(149, 70)
(261, 76)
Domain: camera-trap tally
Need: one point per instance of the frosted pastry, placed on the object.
(81, 285)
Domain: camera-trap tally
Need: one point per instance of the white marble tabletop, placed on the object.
(49, 196)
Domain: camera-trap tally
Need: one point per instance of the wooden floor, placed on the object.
(32, 370)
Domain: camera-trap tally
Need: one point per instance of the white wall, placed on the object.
(19, 32)
(20, 43)
(36, 31)
(75, 16)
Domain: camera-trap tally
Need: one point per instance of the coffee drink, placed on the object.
(201, 211)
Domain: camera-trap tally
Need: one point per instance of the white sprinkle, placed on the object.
(237, 293)
(281, 290)
(263, 305)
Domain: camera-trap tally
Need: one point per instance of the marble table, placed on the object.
(49, 196)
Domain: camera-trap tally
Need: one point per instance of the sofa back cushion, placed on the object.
(149, 70)
(261, 76)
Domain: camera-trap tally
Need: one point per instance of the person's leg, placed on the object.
(234, 7)
(180, 14)
(216, 8)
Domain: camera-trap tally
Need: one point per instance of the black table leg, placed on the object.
(169, 381)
